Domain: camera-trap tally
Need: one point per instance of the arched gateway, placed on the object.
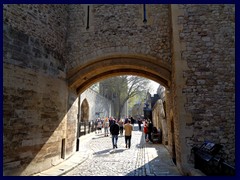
(82, 77)
(52, 53)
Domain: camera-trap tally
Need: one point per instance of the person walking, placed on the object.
(150, 129)
(99, 125)
(125, 120)
(145, 130)
(120, 122)
(106, 126)
(128, 134)
(110, 121)
(139, 124)
(114, 129)
(132, 121)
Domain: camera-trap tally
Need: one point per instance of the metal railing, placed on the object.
(86, 127)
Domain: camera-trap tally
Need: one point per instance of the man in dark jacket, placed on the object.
(114, 129)
(132, 121)
(150, 129)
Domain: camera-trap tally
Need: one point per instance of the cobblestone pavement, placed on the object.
(142, 159)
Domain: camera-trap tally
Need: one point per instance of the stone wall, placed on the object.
(46, 22)
(118, 29)
(35, 94)
(43, 43)
(71, 123)
(204, 77)
(159, 120)
(97, 103)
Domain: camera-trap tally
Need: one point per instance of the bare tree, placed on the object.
(122, 88)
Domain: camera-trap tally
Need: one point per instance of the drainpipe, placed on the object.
(78, 123)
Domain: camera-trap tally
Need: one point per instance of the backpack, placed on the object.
(145, 129)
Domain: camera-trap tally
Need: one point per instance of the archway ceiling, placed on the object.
(84, 76)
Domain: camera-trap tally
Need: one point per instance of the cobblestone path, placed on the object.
(142, 159)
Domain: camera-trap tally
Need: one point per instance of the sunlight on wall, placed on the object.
(153, 86)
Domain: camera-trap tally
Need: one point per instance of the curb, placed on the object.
(71, 162)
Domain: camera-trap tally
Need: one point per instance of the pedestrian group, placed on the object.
(114, 127)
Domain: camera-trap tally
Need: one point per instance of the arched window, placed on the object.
(84, 111)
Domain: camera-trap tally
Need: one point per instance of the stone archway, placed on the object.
(180, 47)
(80, 78)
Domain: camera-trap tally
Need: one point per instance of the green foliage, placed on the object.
(137, 99)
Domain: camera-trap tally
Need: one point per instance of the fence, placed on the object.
(86, 127)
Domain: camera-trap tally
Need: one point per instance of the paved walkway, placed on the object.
(97, 158)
